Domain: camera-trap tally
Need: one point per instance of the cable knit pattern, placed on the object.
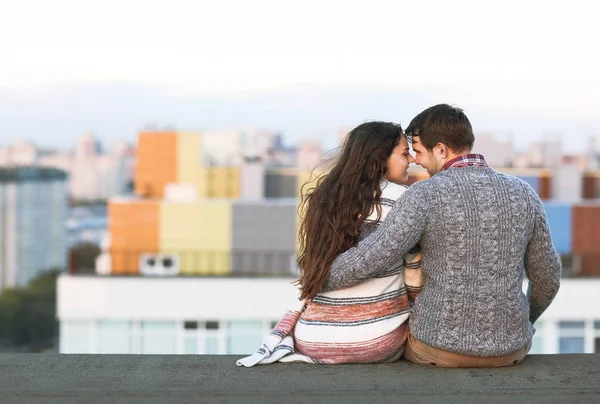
(481, 232)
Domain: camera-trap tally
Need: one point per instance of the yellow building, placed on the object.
(183, 213)
(200, 233)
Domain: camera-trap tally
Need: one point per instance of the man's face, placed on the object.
(426, 158)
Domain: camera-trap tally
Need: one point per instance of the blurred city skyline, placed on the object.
(153, 148)
(525, 69)
(118, 110)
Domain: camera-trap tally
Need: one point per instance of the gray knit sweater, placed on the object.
(481, 231)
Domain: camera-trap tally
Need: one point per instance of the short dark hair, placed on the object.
(445, 124)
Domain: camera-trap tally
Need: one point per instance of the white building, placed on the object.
(20, 153)
(223, 148)
(309, 154)
(88, 146)
(498, 152)
(564, 187)
(168, 315)
(592, 155)
(184, 315)
(33, 210)
(258, 144)
(546, 153)
(96, 176)
(93, 175)
(59, 160)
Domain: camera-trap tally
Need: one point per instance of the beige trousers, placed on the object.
(422, 354)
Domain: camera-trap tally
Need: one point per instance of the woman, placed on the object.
(368, 322)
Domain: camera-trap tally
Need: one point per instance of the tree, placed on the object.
(28, 314)
(83, 258)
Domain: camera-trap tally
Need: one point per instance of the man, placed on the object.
(481, 232)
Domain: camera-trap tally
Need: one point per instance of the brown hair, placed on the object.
(445, 124)
(335, 208)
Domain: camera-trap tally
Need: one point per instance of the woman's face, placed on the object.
(398, 163)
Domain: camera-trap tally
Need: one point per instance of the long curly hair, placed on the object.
(334, 209)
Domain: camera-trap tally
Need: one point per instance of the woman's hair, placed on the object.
(335, 208)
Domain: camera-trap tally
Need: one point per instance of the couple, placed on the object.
(433, 272)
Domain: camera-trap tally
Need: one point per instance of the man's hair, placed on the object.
(445, 124)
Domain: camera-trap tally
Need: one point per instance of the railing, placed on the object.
(203, 262)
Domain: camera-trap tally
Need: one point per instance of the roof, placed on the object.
(53, 378)
(21, 174)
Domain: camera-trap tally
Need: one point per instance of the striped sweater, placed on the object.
(366, 323)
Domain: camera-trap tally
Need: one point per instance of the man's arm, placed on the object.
(542, 265)
(397, 234)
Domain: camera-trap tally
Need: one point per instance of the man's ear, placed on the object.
(441, 151)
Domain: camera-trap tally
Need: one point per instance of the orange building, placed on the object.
(156, 163)
(134, 229)
(173, 219)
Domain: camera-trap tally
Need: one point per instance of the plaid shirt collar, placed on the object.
(465, 161)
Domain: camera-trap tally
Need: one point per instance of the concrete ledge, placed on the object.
(40, 378)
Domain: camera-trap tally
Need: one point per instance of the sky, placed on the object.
(515, 66)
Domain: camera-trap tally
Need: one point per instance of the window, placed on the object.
(571, 337)
(212, 338)
(158, 337)
(76, 336)
(212, 345)
(244, 337)
(190, 337)
(537, 343)
(597, 336)
(190, 345)
(202, 337)
(114, 337)
(190, 325)
(212, 325)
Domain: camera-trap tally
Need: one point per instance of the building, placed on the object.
(33, 210)
(59, 160)
(542, 154)
(592, 156)
(498, 152)
(222, 148)
(309, 154)
(96, 175)
(93, 175)
(192, 223)
(202, 237)
(202, 259)
(200, 218)
(87, 224)
(88, 146)
(21, 153)
(168, 315)
(178, 315)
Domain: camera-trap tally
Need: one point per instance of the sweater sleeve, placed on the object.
(542, 264)
(397, 234)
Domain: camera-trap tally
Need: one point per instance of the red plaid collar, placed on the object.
(465, 161)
